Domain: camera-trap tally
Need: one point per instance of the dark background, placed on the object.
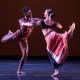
(66, 12)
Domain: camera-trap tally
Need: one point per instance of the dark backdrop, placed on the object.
(66, 11)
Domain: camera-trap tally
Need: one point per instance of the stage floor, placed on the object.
(39, 70)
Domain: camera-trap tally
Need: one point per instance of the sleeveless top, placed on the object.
(44, 26)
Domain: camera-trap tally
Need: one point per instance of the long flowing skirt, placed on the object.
(57, 46)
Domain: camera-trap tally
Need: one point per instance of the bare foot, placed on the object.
(8, 36)
(55, 73)
(72, 26)
(20, 72)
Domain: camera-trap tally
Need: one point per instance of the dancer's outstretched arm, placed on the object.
(25, 23)
(36, 21)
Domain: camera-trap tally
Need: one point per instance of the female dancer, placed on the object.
(26, 27)
(57, 45)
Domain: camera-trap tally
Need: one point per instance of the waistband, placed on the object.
(48, 33)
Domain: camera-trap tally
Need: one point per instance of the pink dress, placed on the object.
(57, 45)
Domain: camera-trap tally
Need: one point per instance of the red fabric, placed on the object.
(57, 45)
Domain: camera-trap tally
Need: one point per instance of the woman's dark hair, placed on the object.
(25, 10)
(50, 11)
